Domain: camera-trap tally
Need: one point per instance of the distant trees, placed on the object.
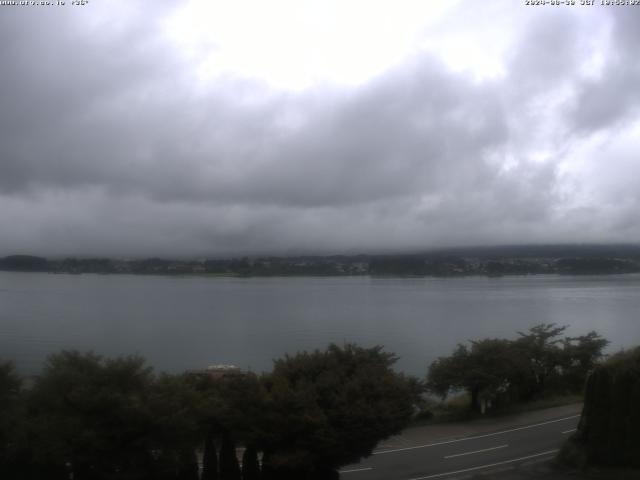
(24, 263)
(596, 265)
(501, 371)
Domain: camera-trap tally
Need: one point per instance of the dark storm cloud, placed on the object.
(111, 144)
(382, 141)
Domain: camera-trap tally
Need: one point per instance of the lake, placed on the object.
(180, 323)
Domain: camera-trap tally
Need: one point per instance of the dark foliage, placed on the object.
(608, 430)
(101, 418)
(24, 263)
(229, 466)
(210, 458)
(496, 372)
(250, 464)
(330, 408)
(10, 416)
(98, 418)
(188, 465)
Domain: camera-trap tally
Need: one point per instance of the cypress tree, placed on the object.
(229, 468)
(165, 466)
(250, 465)
(210, 459)
(268, 472)
(188, 468)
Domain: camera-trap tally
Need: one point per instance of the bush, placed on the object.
(608, 429)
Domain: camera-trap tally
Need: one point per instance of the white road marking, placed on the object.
(474, 437)
(356, 470)
(485, 466)
(569, 431)
(477, 451)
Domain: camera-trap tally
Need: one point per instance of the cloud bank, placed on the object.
(120, 137)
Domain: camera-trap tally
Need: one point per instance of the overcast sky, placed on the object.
(213, 128)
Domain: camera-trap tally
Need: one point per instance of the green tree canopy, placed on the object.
(111, 418)
(329, 408)
(503, 370)
(581, 355)
(92, 413)
(487, 371)
(540, 346)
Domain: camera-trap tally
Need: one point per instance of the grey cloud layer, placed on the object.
(110, 145)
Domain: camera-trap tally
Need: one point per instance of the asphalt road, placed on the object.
(463, 457)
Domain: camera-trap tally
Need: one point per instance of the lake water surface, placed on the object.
(179, 323)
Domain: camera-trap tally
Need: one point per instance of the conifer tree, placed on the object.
(229, 467)
(210, 459)
(188, 469)
(250, 465)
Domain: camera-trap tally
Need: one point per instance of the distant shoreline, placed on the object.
(302, 275)
(487, 262)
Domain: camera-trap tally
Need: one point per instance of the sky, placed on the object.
(218, 128)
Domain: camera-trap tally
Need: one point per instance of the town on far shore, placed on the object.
(489, 261)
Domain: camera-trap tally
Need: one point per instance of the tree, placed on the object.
(187, 465)
(607, 433)
(11, 418)
(541, 349)
(581, 355)
(98, 418)
(488, 371)
(229, 467)
(250, 464)
(232, 409)
(448, 373)
(329, 408)
(503, 371)
(175, 430)
(210, 458)
(92, 413)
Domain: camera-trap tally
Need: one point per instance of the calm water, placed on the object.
(191, 322)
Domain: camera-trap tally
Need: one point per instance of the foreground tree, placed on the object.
(608, 430)
(99, 418)
(90, 415)
(175, 429)
(329, 408)
(250, 464)
(210, 457)
(11, 418)
(581, 356)
(231, 411)
(229, 466)
(487, 371)
(540, 346)
(501, 371)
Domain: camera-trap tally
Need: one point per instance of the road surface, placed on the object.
(478, 452)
